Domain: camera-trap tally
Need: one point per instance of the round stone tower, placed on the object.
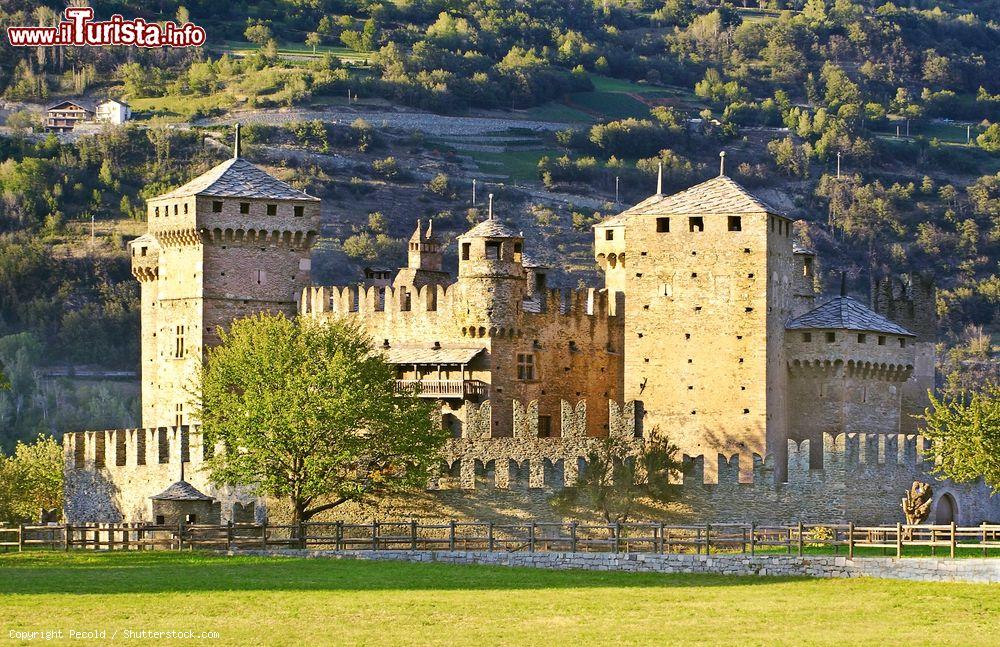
(491, 275)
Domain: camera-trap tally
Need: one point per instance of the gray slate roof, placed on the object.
(492, 228)
(845, 313)
(81, 103)
(799, 249)
(238, 178)
(719, 195)
(427, 355)
(181, 491)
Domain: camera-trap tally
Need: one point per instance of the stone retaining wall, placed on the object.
(910, 568)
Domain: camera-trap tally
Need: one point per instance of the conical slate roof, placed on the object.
(845, 313)
(721, 194)
(238, 178)
(181, 491)
(492, 228)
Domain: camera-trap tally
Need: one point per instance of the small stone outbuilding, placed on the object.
(183, 503)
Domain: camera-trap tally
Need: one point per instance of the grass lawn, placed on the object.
(516, 164)
(612, 105)
(251, 601)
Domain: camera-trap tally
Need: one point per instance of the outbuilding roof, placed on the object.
(238, 178)
(181, 491)
(845, 313)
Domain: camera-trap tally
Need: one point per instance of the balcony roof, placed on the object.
(429, 355)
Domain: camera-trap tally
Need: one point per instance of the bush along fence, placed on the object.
(655, 538)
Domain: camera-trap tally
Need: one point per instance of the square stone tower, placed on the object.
(707, 277)
(230, 243)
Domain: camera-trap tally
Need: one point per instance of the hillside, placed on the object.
(555, 107)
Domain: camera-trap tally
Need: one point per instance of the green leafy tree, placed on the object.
(314, 40)
(31, 479)
(989, 141)
(617, 480)
(964, 431)
(309, 413)
(258, 33)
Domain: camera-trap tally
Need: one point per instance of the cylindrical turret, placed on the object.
(491, 273)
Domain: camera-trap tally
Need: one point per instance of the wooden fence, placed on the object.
(531, 537)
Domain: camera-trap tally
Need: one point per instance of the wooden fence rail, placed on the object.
(509, 537)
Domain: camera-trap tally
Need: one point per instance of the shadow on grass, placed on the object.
(38, 572)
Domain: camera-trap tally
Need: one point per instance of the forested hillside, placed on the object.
(569, 103)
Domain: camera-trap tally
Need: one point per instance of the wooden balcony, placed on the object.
(445, 389)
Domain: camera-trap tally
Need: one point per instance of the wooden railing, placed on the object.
(443, 388)
(529, 536)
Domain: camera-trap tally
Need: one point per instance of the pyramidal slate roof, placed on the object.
(238, 178)
(492, 228)
(181, 491)
(721, 194)
(845, 313)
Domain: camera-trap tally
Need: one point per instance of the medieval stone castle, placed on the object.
(707, 330)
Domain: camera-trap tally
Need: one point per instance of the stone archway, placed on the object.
(946, 510)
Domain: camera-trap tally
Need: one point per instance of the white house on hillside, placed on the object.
(113, 111)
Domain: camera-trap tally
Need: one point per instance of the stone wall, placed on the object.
(908, 568)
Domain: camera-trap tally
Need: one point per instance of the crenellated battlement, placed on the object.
(447, 301)
(825, 367)
(128, 449)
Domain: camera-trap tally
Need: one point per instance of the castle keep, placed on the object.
(708, 330)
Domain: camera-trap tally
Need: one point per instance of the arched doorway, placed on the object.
(946, 510)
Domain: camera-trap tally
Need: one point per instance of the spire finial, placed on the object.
(491, 207)
(236, 144)
(722, 163)
(843, 283)
(659, 179)
(430, 228)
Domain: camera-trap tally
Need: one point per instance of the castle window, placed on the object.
(745, 411)
(142, 252)
(405, 300)
(217, 206)
(544, 426)
(772, 223)
(862, 338)
(807, 266)
(175, 209)
(156, 211)
(807, 336)
(493, 250)
(696, 223)
(179, 342)
(466, 247)
(749, 276)
(299, 211)
(525, 366)
(748, 309)
(609, 234)
(663, 225)
(881, 340)
(735, 223)
(244, 207)
(831, 337)
(272, 209)
(190, 518)
(902, 342)
(746, 250)
(178, 415)
(517, 252)
(160, 520)
(185, 208)
(694, 275)
(260, 276)
(573, 347)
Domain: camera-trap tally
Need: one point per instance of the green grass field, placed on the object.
(251, 601)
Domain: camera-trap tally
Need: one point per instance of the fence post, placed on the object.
(413, 534)
(616, 528)
(800, 539)
(953, 540)
(263, 534)
(788, 540)
(20, 537)
(451, 535)
(489, 536)
(67, 529)
(229, 535)
(531, 537)
(572, 536)
(850, 540)
(899, 540)
(708, 539)
(374, 535)
(985, 552)
(300, 530)
(697, 541)
(659, 538)
(753, 535)
(180, 535)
